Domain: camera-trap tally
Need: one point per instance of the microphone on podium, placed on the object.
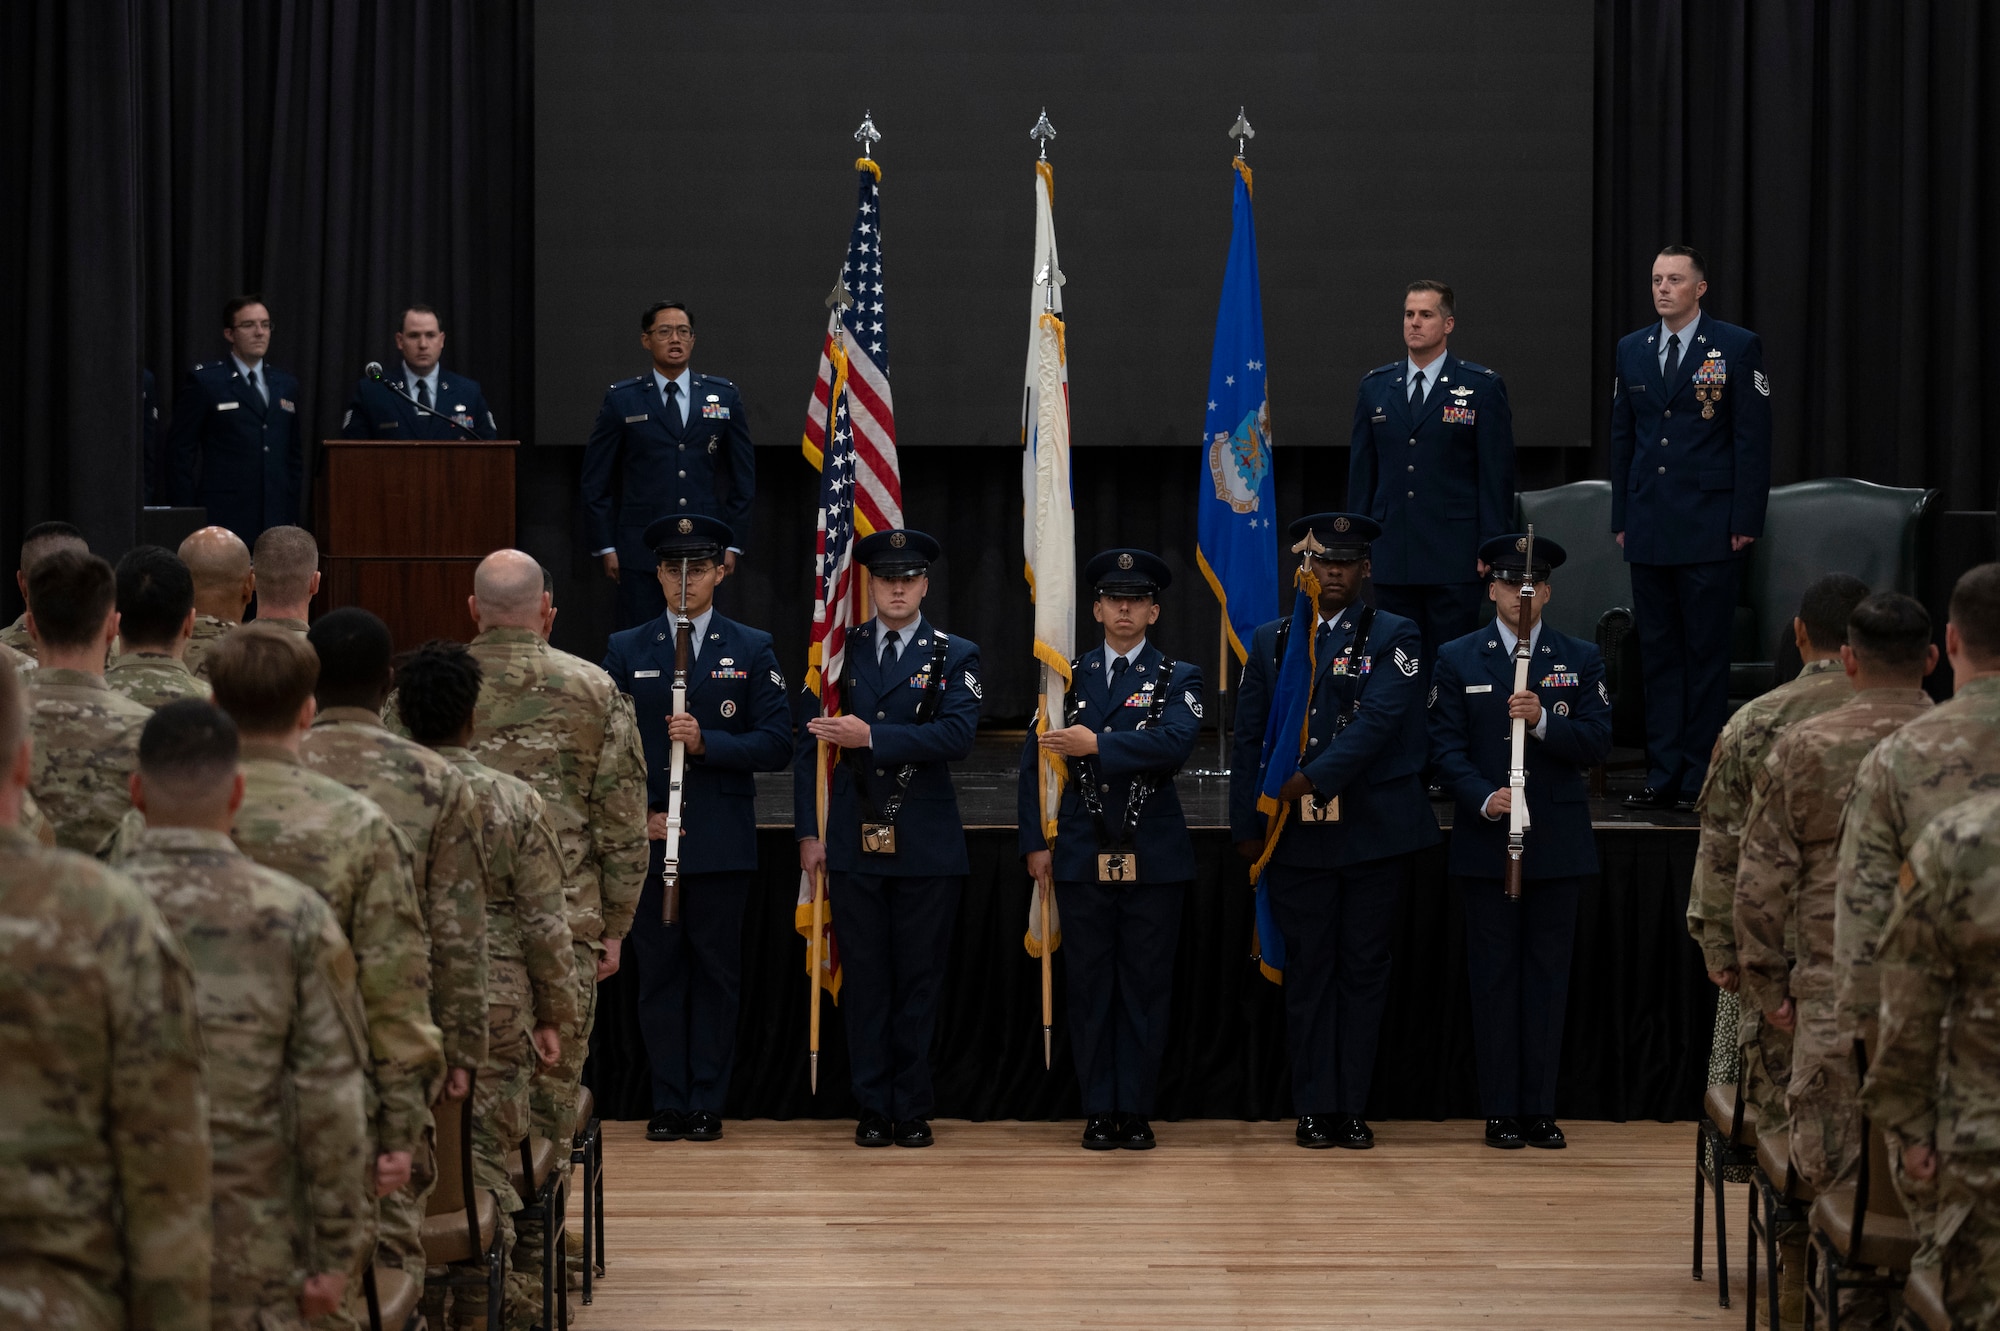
(373, 370)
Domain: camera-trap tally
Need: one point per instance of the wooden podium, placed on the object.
(402, 525)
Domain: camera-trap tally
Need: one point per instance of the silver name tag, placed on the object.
(1479, 688)
(227, 406)
(645, 674)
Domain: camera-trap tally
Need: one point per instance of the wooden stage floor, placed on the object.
(1227, 1224)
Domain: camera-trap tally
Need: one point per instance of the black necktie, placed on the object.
(673, 407)
(424, 393)
(1322, 639)
(256, 387)
(1673, 358)
(892, 645)
(1118, 664)
(1417, 392)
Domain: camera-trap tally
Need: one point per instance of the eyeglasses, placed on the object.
(673, 333)
(253, 326)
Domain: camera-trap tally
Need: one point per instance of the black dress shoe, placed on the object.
(1649, 798)
(913, 1132)
(666, 1126)
(1352, 1133)
(703, 1126)
(1686, 803)
(1315, 1131)
(1544, 1133)
(1101, 1133)
(1138, 1133)
(873, 1130)
(1504, 1133)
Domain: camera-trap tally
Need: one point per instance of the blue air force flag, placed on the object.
(1238, 541)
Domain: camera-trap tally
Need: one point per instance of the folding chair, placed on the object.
(539, 1185)
(461, 1229)
(1726, 1138)
(587, 1151)
(1859, 1226)
(1785, 1197)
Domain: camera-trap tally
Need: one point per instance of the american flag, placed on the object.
(836, 588)
(870, 413)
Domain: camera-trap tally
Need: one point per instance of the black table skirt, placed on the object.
(1635, 1044)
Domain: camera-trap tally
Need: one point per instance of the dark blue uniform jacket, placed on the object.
(1441, 485)
(1375, 765)
(1472, 744)
(930, 839)
(640, 465)
(1682, 485)
(229, 451)
(737, 694)
(1124, 751)
(383, 410)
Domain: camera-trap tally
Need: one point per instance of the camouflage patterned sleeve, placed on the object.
(1769, 865)
(1724, 802)
(158, 1120)
(1871, 861)
(454, 885)
(618, 818)
(36, 823)
(324, 1058)
(1914, 971)
(540, 907)
(393, 967)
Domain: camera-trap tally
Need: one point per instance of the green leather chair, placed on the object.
(1833, 525)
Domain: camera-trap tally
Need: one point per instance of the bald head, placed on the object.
(507, 592)
(223, 580)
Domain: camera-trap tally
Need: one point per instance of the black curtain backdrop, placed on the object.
(1635, 1044)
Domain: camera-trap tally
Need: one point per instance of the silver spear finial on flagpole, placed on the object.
(867, 136)
(1048, 280)
(1043, 131)
(1241, 131)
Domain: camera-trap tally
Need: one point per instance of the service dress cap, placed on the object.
(1506, 557)
(897, 553)
(1337, 537)
(691, 536)
(1127, 572)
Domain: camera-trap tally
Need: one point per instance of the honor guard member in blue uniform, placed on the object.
(1336, 871)
(398, 405)
(1690, 475)
(895, 848)
(1518, 952)
(235, 447)
(670, 443)
(736, 723)
(1433, 462)
(1123, 859)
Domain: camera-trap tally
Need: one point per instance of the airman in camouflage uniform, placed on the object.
(15, 640)
(287, 1041)
(154, 679)
(1934, 1082)
(223, 585)
(42, 539)
(208, 630)
(104, 1163)
(86, 746)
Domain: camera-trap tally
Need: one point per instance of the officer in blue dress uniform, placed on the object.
(1122, 860)
(735, 724)
(1690, 475)
(1336, 871)
(398, 405)
(235, 447)
(895, 847)
(669, 443)
(1432, 461)
(1518, 952)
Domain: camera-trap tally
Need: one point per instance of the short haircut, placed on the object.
(1890, 629)
(653, 312)
(1442, 291)
(437, 687)
(45, 538)
(237, 304)
(403, 319)
(155, 593)
(69, 593)
(354, 651)
(1692, 255)
(1826, 607)
(548, 582)
(285, 560)
(190, 747)
(262, 676)
(1975, 610)
(13, 718)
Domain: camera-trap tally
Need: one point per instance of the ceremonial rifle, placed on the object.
(1517, 768)
(670, 866)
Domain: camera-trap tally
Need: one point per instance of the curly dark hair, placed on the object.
(437, 686)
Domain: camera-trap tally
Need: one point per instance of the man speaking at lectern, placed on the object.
(398, 404)
(669, 443)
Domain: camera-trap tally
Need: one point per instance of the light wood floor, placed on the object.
(1225, 1225)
